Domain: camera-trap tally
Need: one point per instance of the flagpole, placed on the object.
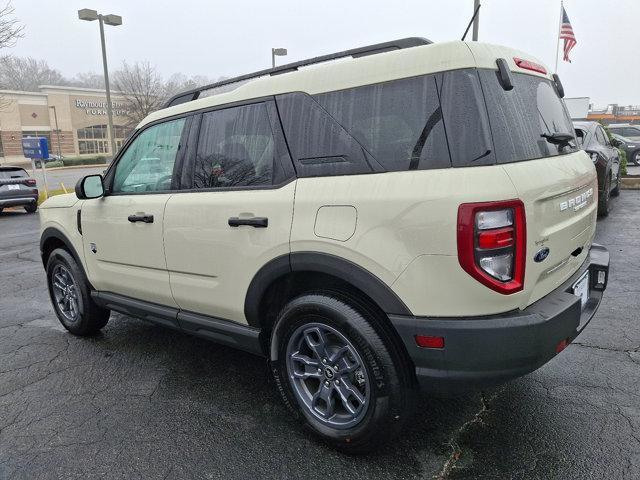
(559, 29)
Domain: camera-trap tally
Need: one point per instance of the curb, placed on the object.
(630, 183)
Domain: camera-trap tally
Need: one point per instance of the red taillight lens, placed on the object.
(492, 243)
(428, 341)
(528, 65)
(31, 182)
(498, 238)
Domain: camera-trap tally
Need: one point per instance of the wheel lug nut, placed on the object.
(326, 383)
(319, 370)
(337, 382)
(324, 360)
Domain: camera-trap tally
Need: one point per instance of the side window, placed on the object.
(398, 122)
(319, 145)
(236, 148)
(147, 164)
(631, 132)
(465, 119)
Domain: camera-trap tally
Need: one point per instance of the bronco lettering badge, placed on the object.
(577, 202)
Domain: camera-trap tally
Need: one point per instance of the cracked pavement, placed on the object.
(139, 401)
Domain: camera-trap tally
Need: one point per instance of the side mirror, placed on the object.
(90, 187)
(615, 142)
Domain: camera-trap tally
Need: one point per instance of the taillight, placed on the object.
(492, 243)
(529, 65)
(30, 182)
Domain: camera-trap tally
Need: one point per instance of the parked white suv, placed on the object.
(397, 216)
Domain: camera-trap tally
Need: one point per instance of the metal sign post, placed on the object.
(37, 148)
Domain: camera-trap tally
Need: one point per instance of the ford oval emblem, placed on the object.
(541, 255)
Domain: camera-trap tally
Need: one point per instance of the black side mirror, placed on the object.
(615, 142)
(90, 187)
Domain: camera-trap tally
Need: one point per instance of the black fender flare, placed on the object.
(52, 232)
(346, 270)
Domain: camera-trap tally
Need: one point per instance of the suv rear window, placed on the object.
(520, 116)
(13, 173)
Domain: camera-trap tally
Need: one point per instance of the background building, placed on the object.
(82, 120)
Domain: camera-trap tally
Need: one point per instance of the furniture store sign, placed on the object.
(99, 107)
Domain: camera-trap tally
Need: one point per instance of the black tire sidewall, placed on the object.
(90, 316)
(385, 411)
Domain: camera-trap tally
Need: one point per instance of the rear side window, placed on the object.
(631, 132)
(465, 119)
(399, 123)
(236, 148)
(519, 117)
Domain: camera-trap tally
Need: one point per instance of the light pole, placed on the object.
(55, 116)
(280, 52)
(114, 20)
(476, 21)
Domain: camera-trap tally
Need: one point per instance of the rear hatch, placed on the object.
(12, 185)
(556, 181)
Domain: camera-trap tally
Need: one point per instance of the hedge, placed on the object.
(93, 160)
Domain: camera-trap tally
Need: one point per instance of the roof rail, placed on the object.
(193, 94)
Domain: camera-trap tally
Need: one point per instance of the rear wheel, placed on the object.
(605, 199)
(616, 191)
(338, 374)
(31, 208)
(71, 297)
(636, 158)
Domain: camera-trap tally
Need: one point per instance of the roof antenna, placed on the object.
(475, 14)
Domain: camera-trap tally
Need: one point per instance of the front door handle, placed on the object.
(257, 222)
(141, 218)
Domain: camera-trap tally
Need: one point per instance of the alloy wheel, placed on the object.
(65, 293)
(328, 376)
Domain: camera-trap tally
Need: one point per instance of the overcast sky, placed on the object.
(231, 37)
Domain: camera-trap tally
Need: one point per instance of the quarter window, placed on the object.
(147, 164)
(399, 123)
(235, 149)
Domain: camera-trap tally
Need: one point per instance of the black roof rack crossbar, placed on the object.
(190, 95)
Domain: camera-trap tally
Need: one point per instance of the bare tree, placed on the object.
(10, 28)
(17, 73)
(10, 31)
(87, 80)
(142, 89)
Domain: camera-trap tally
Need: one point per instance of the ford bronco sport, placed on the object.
(412, 215)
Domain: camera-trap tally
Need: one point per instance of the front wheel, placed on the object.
(340, 375)
(71, 297)
(636, 158)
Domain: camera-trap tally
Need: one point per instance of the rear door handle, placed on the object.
(257, 222)
(141, 218)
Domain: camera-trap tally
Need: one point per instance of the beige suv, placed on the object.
(400, 216)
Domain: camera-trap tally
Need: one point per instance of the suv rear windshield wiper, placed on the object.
(558, 138)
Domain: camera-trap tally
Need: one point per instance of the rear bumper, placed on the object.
(22, 200)
(490, 350)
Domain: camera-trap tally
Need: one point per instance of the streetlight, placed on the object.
(280, 52)
(55, 116)
(114, 20)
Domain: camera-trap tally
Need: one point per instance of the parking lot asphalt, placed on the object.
(139, 401)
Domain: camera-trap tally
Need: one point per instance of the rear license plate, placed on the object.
(14, 187)
(581, 288)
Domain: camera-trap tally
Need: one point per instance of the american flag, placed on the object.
(566, 32)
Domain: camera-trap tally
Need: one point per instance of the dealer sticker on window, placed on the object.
(581, 288)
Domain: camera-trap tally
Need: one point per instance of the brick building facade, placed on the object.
(82, 121)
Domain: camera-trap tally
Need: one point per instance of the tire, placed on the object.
(71, 297)
(369, 373)
(604, 199)
(636, 158)
(31, 208)
(616, 191)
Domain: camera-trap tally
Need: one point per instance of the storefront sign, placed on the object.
(99, 107)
